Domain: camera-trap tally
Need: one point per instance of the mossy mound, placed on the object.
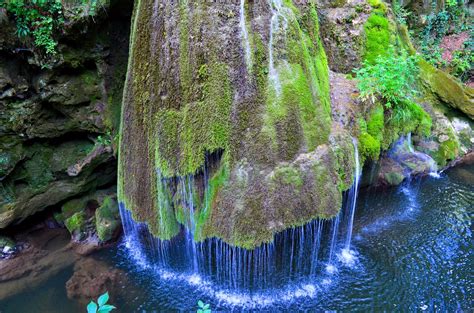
(190, 96)
(107, 219)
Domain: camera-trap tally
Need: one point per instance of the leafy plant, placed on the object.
(401, 13)
(37, 18)
(203, 308)
(391, 78)
(105, 140)
(101, 306)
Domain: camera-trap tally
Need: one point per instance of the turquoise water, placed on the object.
(411, 251)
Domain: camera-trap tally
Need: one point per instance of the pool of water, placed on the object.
(411, 251)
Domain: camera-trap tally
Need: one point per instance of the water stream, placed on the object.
(245, 36)
(398, 234)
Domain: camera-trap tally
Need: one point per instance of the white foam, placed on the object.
(348, 257)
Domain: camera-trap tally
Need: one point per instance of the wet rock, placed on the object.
(50, 115)
(107, 220)
(92, 220)
(92, 278)
(403, 161)
(7, 247)
(45, 253)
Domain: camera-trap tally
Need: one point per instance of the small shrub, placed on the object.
(203, 308)
(37, 18)
(390, 77)
(101, 306)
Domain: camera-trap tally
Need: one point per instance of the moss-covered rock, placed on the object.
(447, 89)
(6, 242)
(107, 219)
(279, 161)
(76, 225)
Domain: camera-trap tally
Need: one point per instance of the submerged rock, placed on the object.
(45, 253)
(92, 278)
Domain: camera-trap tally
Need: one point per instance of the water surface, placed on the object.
(411, 251)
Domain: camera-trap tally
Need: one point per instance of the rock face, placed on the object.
(57, 123)
(241, 108)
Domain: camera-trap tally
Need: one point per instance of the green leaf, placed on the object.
(103, 299)
(201, 304)
(106, 308)
(206, 307)
(92, 307)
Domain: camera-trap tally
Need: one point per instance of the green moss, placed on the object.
(288, 175)
(76, 223)
(406, 117)
(74, 206)
(394, 178)
(375, 122)
(302, 110)
(378, 6)
(216, 183)
(6, 242)
(377, 32)
(186, 135)
(369, 147)
(107, 219)
(448, 150)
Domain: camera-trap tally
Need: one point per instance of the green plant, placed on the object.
(105, 140)
(37, 18)
(203, 308)
(453, 18)
(401, 13)
(101, 306)
(390, 78)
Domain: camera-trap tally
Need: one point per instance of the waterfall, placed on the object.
(245, 36)
(346, 256)
(330, 268)
(277, 14)
(433, 168)
(293, 254)
(353, 197)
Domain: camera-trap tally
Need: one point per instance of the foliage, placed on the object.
(37, 18)
(454, 18)
(101, 306)
(463, 61)
(203, 308)
(401, 14)
(105, 140)
(391, 78)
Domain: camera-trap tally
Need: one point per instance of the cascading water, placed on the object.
(277, 18)
(245, 36)
(405, 142)
(346, 255)
(292, 256)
